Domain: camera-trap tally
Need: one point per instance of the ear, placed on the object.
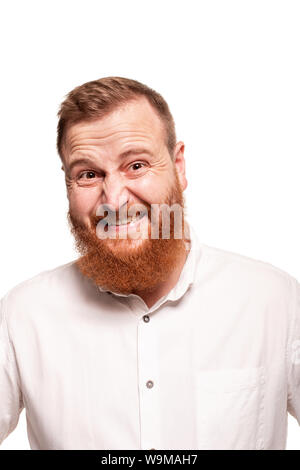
(179, 162)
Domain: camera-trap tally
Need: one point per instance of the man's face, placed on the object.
(121, 159)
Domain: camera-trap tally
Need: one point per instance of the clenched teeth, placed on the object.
(126, 221)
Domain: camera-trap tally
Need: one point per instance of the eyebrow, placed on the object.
(135, 151)
(123, 155)
(81, 161)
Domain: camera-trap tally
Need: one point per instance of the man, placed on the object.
(150, 339)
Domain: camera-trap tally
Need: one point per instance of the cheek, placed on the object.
(153, 188)
(82, 200)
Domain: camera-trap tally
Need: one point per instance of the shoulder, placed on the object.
(246, 273)
(41, 281)
(46, 290)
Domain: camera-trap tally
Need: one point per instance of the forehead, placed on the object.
(134, 119)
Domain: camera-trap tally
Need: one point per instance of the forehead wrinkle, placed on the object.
(147, 125)
(131, 137)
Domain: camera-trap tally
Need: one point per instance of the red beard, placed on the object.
(125, 269)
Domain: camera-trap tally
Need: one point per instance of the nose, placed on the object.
(114, 192)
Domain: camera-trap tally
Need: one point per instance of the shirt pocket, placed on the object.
(230, 408)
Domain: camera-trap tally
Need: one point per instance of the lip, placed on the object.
(126, 227)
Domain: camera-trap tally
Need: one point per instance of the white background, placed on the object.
(230, 72)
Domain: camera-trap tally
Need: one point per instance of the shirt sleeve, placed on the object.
(293, 356)
(11, 403)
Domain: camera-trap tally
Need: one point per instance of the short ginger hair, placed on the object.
(95, 99)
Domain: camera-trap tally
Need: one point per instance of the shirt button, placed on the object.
(146, 318)
(149, 384)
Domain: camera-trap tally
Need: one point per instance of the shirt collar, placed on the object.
(187, 275)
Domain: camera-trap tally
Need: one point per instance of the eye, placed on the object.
(137, 165)
(89, 175)
(88, 178)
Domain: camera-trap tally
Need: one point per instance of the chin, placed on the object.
(118, 245)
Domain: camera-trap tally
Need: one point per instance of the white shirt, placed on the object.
(214, 364)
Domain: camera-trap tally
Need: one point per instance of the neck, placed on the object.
(150, 298)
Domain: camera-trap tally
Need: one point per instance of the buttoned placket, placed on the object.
(148, 382)
(147, 365)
